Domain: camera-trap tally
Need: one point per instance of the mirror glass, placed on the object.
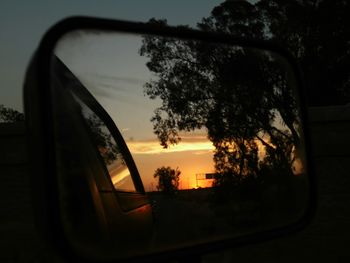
(207, 135)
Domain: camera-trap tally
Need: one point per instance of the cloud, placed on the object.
(200, 145)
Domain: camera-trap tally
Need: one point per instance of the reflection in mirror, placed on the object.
(108, 149)
(214, 130)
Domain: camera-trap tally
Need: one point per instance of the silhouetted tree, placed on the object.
(168, 179)
(316, 32)
(103, 139)
(10, 115)
(237, 94)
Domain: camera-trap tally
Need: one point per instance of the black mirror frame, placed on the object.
(39, 124)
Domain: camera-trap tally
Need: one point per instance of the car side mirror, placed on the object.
(149, 141)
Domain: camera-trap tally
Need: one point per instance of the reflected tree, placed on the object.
(107, 148)
(168, 179)
(104, 141)
(240, 96)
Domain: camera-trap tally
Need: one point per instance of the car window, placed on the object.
(108, 149)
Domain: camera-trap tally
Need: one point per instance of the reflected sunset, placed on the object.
(193, 155)
(200, 145)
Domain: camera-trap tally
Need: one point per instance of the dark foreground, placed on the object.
(326, 240)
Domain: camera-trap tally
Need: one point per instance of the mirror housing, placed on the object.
(44, 101)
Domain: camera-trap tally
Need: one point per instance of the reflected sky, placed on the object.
(110, 67)
(113, 71)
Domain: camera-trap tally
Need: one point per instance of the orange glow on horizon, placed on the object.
(154, 147)
(192, 155)
(199, 144)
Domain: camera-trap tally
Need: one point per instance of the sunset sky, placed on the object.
(113, 71)
(193, 155)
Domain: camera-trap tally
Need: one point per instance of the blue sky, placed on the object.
(23, 23)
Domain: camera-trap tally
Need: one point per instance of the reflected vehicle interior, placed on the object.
(186, 141)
